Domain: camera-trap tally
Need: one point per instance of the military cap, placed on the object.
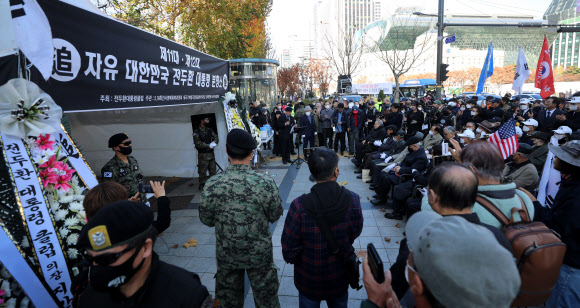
(116, 224)
(116, 139)
(413, 140)
(525, 148)
(240, 140)
(541, 136)
(288, 109)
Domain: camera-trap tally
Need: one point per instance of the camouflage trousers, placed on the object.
(229, 286)
(205, 163)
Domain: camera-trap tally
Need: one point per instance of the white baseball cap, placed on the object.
(467, 133)
(575, 100)
(531, 122)
(524, 101)
(562, 130)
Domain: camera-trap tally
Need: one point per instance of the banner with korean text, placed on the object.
(101, 63)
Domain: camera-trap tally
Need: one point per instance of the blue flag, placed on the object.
(487, 69)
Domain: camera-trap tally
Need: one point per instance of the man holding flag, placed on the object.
(544, 73)
(522, 72)
(506, 139)
(487, 70)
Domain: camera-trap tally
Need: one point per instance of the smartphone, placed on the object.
(375, 263)
(145, 188)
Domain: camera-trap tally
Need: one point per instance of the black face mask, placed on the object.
(126, 150)
(105, 278)
(410, 149)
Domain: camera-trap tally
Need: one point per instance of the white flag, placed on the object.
(33, 34)
(550, 182)
(522, 72)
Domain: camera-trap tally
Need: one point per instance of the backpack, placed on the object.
(538, 250)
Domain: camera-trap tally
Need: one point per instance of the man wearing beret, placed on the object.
(123, 168)
(285, 123)
(125, 271)
(205, 140)
(241, 217)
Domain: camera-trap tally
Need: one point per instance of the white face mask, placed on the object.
(461, 141)
(350, 105)
(420, 108)
(473, 113)
(526, 129)
(462, 108)
(523, 107)
(478, 130)
(431, 133)
(327, 106)
(558, 136)
(308, 114)
(468, 106)
(573, 107)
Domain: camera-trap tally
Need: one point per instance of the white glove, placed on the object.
(391, 167)
(413, 171)
(383, 155)
(315, 133)
(303, 136)
(378, 143)
(212, 145)
(388, 159)
(423, 191)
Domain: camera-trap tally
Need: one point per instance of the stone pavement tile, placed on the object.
(278, 253)
(289, 301)
(378, 241)
(392, 254)
(369, 221)
(360, 294)
(368, 213)
(354, 303)
(175, 260)
(201, 265)
(185, 213)
(394, 243)
(288, 270)
(276, 242)
(391, 231)
(356, 244)
(180, 251)
(287, 287)
(280, 264)
(208, 281)
(183, 220)
(384, 257)
(249, 302)
(370, 231)
(279, 227)
(198, 228)
(205, 251)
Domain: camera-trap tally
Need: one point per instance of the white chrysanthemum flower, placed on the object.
(64, 232)
(82, 215)
(72, 253)
(11, 303)
(66, 197)
(25, 242)
(79, 197)
(69, 222)
(72, 239)
(25, 302)
(76, 206)
(60, 215)
(54, 205)
(6, 287)
(48, 153)
(4, 274)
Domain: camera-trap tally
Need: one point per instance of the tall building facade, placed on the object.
(566, 46)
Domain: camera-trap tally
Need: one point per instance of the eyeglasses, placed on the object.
(109, 258)
(126, 143)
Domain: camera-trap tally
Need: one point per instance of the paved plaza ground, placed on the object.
(292, 182)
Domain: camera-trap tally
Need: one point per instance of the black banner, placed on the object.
(101, 63)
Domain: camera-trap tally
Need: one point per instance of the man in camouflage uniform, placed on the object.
(205, 140)
(124, 168)
(241, 203)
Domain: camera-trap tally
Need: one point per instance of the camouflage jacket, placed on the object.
(128, 175)
(201, 136)
(241, 203)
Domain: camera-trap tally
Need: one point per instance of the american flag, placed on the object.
(506, 139)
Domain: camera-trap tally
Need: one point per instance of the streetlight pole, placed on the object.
(440, 28)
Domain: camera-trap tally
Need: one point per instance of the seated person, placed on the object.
(521, 171)
(540, 150)
(452, 263)
(368, 144)
(466, 137)
(415, 160)
(390, 145)
(433, 138)
(486, 161)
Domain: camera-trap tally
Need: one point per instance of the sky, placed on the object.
(294, 17)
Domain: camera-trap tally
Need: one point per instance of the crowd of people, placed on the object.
(456, 191)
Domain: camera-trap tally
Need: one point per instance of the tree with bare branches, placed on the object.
(402, 45)
(344, 51)
(320, 74)
(288, 80)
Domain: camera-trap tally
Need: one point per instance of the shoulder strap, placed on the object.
(524, 214)
(492, 209)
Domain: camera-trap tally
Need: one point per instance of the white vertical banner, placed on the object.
(75, 158)
(37, 219)
(550, 182)
(33, 34)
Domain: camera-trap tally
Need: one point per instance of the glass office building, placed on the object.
(566, 46)
(255, 79)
